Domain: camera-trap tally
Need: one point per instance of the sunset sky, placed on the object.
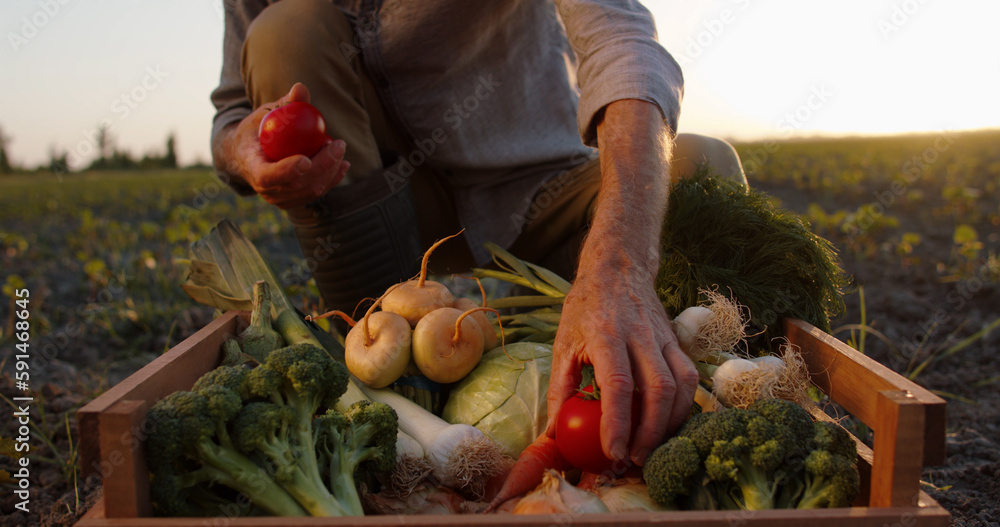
(753, 69)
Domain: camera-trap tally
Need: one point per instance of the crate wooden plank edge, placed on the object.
(859, 369)
(927, 513)
(160, 377)
(923, 511)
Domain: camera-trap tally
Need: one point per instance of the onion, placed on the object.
(556, 495)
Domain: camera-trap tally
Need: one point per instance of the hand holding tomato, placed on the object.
(291, 181)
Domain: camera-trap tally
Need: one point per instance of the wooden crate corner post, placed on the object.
(126, 495)
(899, 449)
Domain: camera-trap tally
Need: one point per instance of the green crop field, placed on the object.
(102, 254)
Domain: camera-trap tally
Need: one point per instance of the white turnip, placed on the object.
(447, 344)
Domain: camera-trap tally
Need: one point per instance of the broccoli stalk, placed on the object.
(364, 434)
(261, 430)
(185, 454)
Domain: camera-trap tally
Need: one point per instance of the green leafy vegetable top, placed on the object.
(718, 234)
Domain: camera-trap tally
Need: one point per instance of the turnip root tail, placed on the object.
(335, 313)
(427, 255)
(458, 322)
(368, 337)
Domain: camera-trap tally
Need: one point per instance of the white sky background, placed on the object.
(753, 69)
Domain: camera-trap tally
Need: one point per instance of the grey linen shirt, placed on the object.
(508, 91)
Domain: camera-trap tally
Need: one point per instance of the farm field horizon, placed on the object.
(915, 219)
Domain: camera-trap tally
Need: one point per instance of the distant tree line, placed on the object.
(109, 156)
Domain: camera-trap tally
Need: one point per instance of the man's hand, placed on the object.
(290, 182)
(612, 317)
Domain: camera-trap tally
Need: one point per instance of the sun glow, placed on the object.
(784, 68)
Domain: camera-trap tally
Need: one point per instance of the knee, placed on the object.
(693, 150)
(292, 28)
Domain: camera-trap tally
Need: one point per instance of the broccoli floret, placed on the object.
(715, 426)
(831, 480)
(187, 458)
(365, 434)
(833, 438)
(302, 377)
(674, 471)
(303, 380)
(791, 420)
(231, 377)
(770, 455)
(829, 475)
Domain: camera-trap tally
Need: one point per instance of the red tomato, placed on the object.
(292, 129)
(578, 434)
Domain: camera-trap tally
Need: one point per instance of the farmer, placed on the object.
(449, 114)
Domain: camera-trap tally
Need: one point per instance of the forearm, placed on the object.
(634, 145)
(225, 160)
(612, 316)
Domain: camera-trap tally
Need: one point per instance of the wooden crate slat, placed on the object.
(929, 515)
(895, 411)
(858, 376)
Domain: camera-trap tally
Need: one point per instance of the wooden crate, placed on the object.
(908, 423)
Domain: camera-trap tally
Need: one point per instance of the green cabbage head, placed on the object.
(505, 397)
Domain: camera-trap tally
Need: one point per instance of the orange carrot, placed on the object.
(527, 472)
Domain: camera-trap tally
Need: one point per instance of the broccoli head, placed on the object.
(302, 377)
(230, 377)
(263, 431)
(791, 420)
(833, 438)
(673, 471)
(188, 460)
(250, 431)
(772, 454)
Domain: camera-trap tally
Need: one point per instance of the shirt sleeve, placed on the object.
(230, 97)
(619, 57)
